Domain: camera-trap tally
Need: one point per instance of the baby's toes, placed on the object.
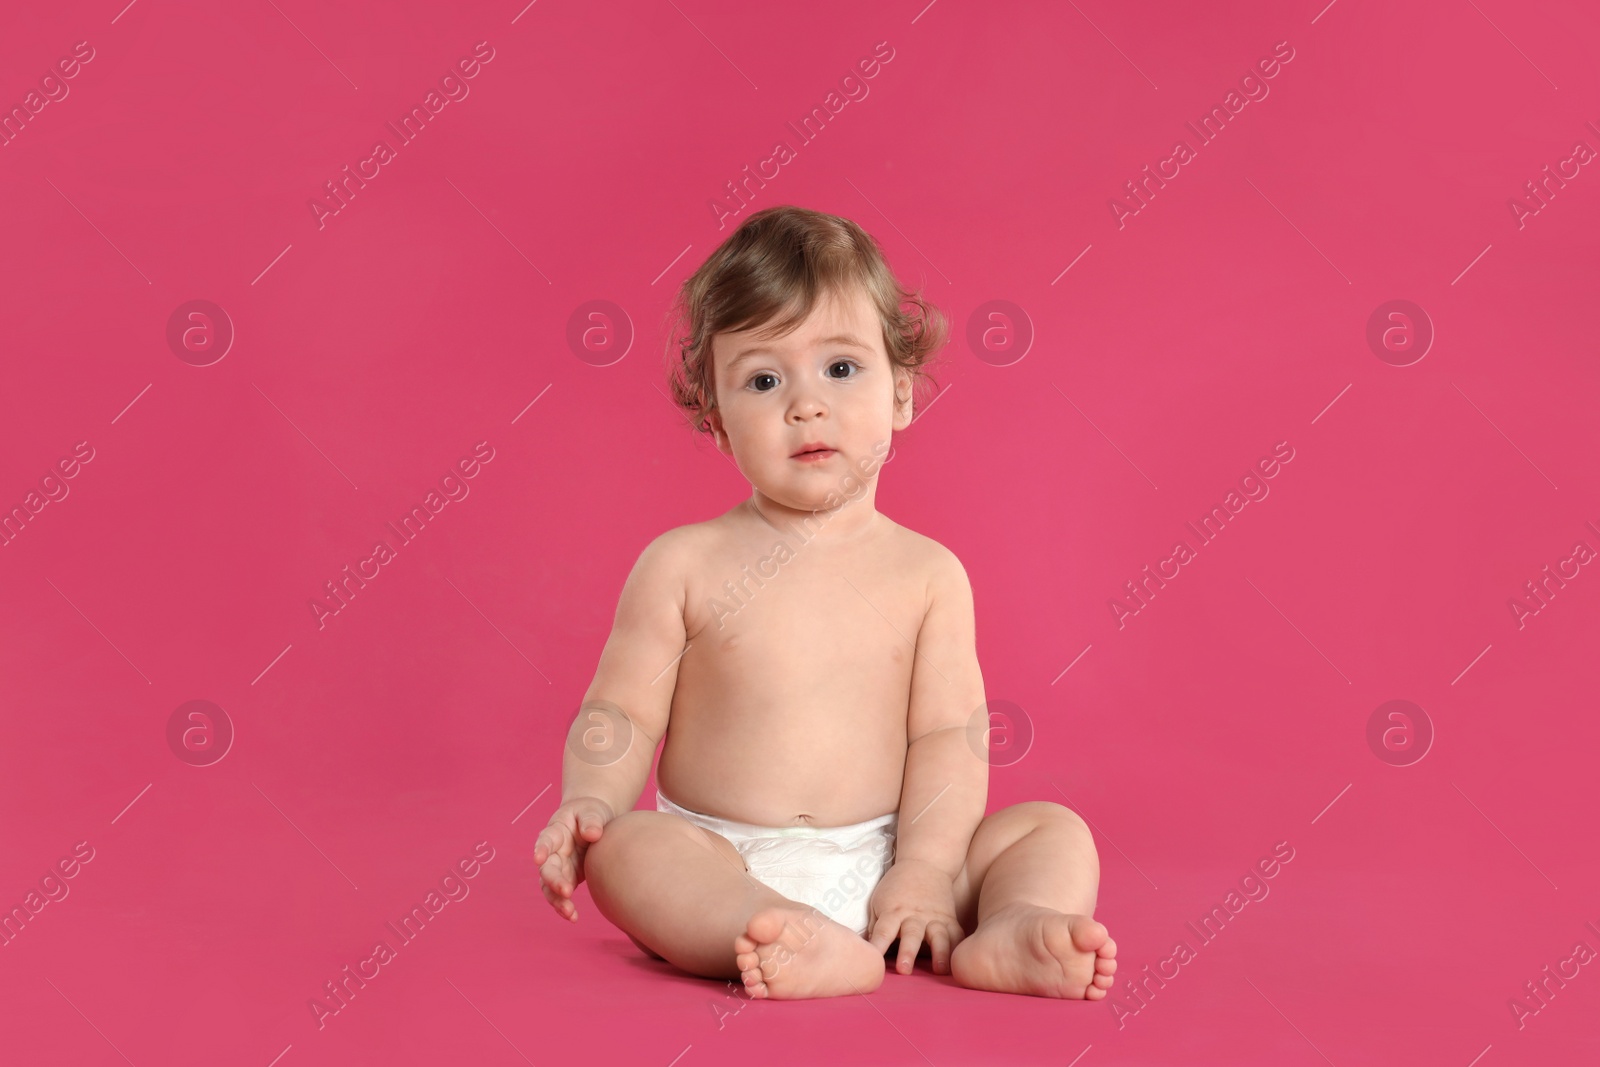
(1105, 966)
(1089, 936)
(1103, 981)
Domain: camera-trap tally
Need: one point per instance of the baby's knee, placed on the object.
(626, 834)
(1049, 812)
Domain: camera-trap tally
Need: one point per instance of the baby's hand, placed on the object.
(559, 851)
(914, 900)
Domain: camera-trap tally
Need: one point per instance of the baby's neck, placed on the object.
(847, 522)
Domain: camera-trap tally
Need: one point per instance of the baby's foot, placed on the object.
(1023, 948)
(793, 952)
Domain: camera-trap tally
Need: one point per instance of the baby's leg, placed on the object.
(1036, 874)
(684, 893)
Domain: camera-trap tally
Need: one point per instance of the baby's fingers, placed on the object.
(939, 947)
(562, 904)
(559, 874)
(910, 942)
(553, 839)
(883, 934)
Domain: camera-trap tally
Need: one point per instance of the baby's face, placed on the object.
(829, 382)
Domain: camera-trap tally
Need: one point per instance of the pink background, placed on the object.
(372, 354)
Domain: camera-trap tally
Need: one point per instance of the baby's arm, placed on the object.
(624, 714)
(946, 784)
(942, 768)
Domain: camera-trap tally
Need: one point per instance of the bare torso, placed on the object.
(791, 700)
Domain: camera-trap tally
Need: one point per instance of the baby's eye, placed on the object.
(758, 378)
(843, 363)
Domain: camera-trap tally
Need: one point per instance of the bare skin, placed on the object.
(822, 684)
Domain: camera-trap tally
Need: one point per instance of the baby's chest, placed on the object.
(820, 614)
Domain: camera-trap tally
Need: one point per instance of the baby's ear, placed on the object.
(719, 436)
(903, 406)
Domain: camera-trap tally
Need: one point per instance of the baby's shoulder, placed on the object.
(689, 551)
(679, 547)
(925, 557)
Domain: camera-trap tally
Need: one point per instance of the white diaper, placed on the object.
(832, 868)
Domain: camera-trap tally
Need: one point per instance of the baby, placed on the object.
(811, 666)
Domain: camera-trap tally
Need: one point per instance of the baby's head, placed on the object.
(793, 333)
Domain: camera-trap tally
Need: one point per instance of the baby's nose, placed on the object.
(807, 407)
